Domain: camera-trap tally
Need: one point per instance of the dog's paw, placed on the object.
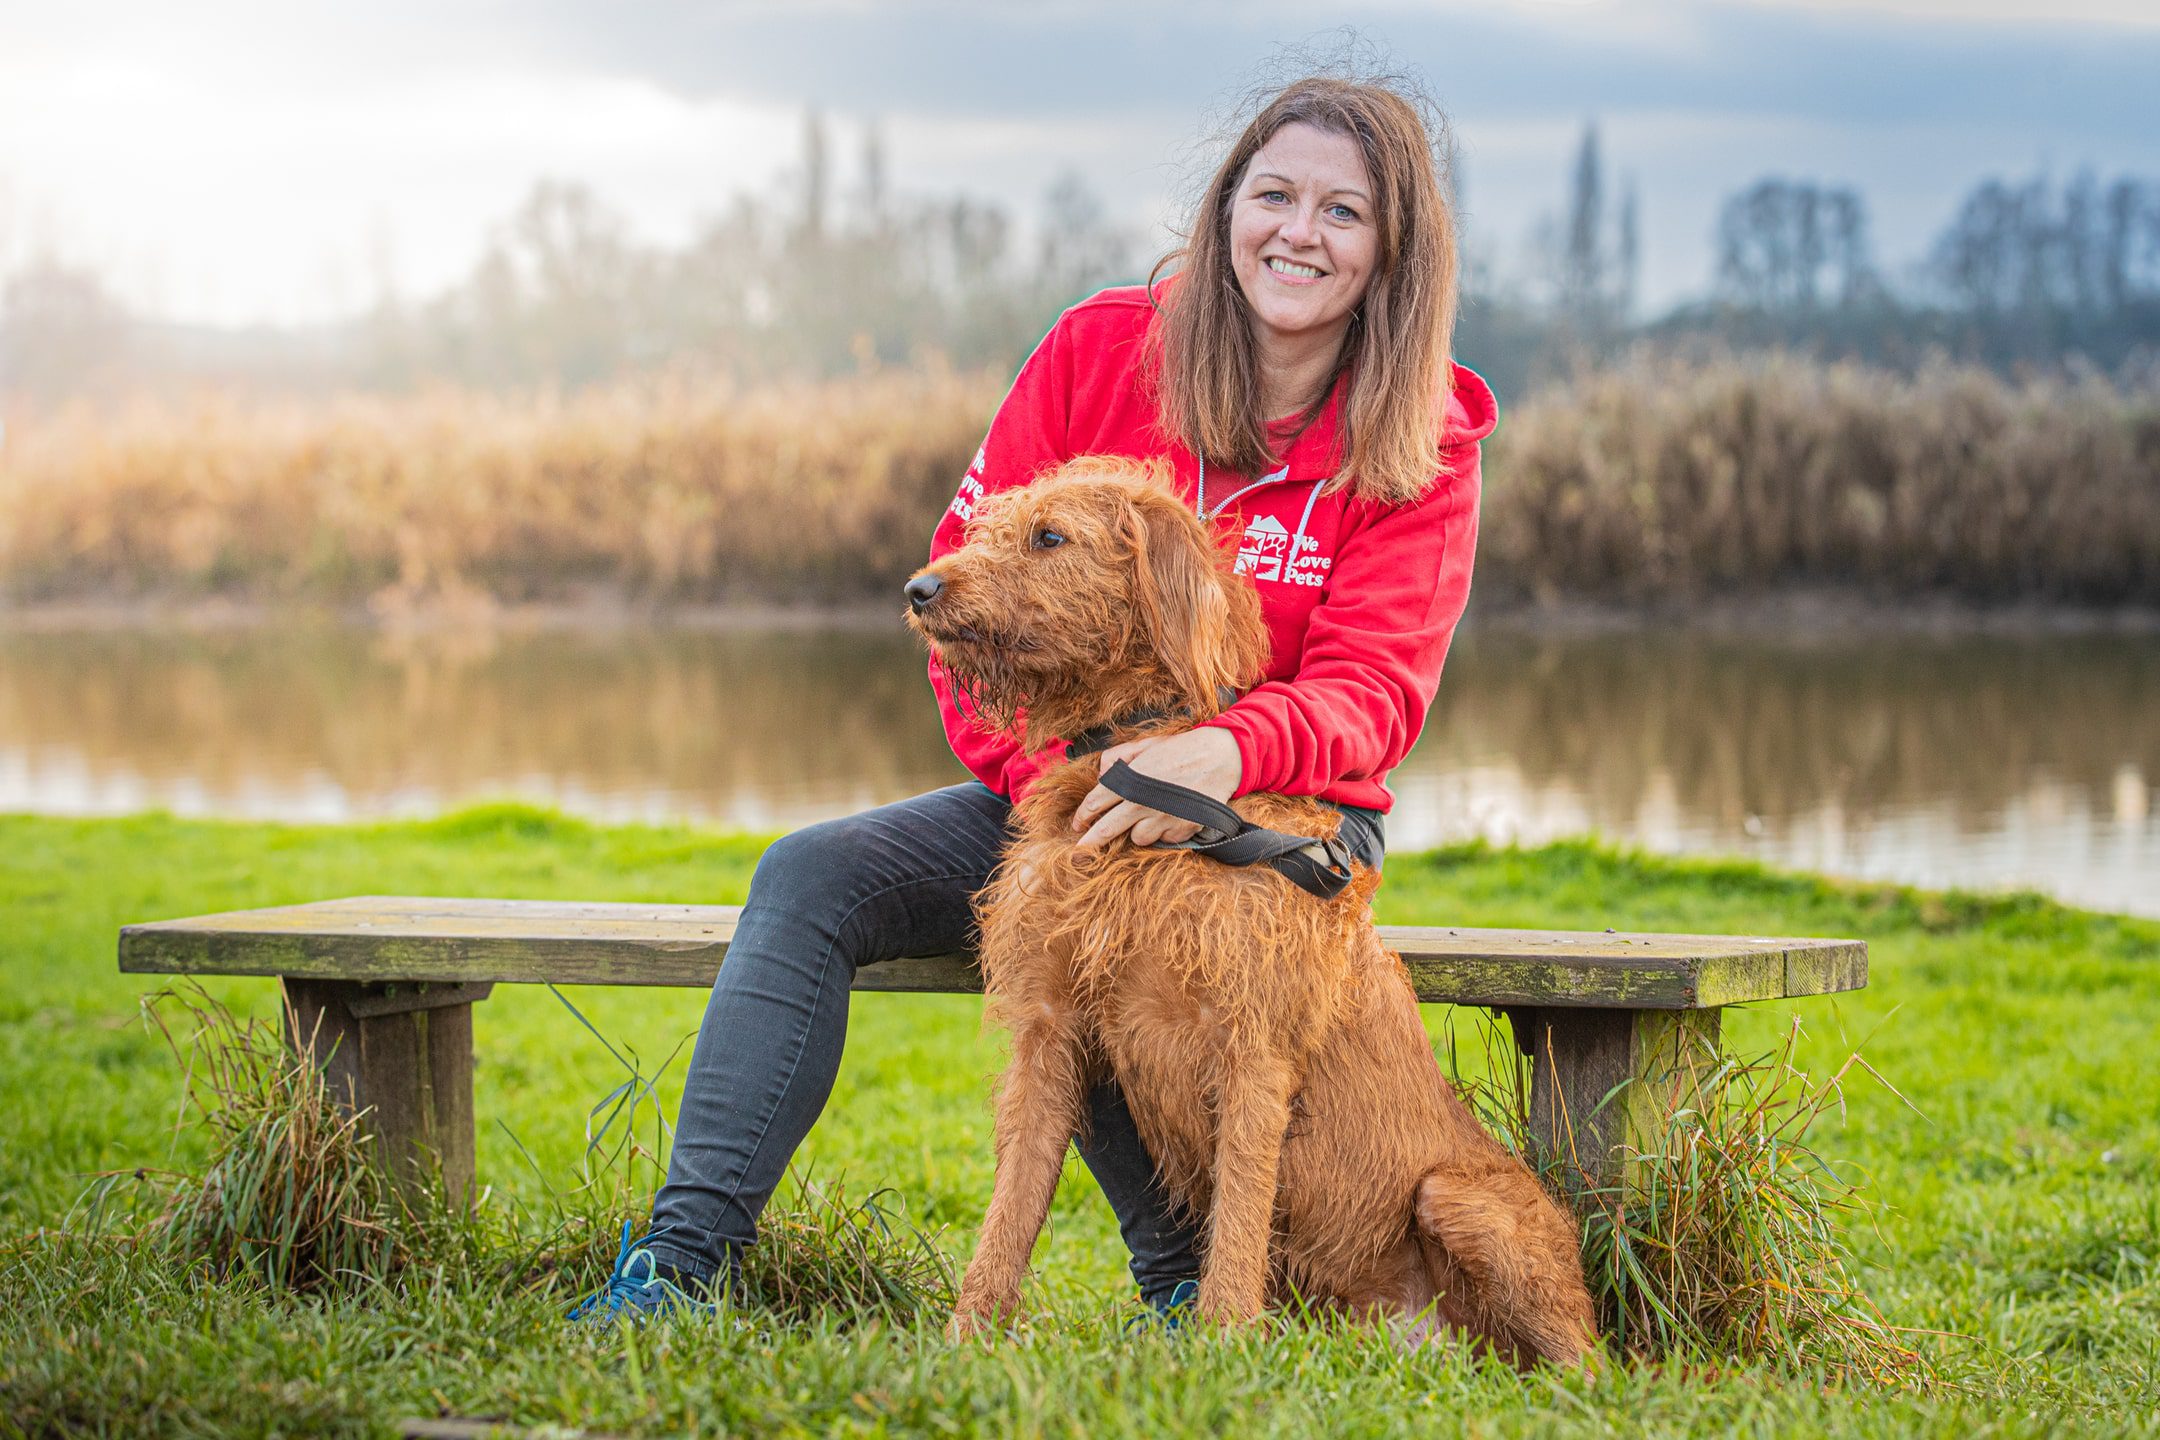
(981, 1319)
(1228, 1307)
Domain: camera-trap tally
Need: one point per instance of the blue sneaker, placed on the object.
(1183, 1305)
(1172, 1313)
(636, 1292)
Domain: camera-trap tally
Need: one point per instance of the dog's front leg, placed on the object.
(1253, 1112)
(1038, 1113)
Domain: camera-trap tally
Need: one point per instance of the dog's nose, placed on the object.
(922, 590)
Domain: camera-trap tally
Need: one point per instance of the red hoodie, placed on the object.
(1360, 597)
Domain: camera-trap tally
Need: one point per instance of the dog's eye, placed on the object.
(1046, 539)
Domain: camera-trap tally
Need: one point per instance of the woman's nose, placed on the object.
(1299, 227)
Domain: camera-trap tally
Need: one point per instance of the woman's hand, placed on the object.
(1206, 760)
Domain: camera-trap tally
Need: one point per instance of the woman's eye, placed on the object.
(1275, 197)
(1046, 539)
(1342, 212)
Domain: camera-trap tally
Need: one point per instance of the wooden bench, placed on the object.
(386, 986)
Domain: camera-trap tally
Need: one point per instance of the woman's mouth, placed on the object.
(1292, 270)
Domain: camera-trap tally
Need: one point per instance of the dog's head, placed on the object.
(1089, 594)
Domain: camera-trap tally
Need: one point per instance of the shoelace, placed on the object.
(622, 1288)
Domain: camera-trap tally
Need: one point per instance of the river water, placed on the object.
(1979, 760)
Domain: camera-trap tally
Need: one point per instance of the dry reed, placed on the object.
(661, 491)
(1655, 481)
(1664, 480)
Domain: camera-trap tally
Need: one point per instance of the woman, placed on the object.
(1295, 374)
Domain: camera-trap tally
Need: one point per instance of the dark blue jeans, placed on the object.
(825, 901)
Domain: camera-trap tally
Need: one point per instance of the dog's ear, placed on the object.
(1186, 601)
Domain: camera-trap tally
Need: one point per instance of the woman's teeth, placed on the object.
(1292, 268)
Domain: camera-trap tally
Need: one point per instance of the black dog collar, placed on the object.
(1097, 738)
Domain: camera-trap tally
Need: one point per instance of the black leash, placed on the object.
(1320, 867)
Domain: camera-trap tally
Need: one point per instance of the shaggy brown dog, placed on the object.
(1268, 1044)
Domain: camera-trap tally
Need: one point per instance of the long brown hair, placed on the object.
(1396, 352)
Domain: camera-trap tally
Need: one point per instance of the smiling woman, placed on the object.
(1328, 231)
(1302, 249)
(1292, 385)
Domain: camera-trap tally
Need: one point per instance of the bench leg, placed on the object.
(404, 1053)
(1578, 1056)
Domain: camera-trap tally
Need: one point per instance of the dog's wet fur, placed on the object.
(1268, 1044)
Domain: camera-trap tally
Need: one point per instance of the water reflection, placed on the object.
(1975, 760)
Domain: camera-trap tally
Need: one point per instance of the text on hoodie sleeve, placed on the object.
(1027, 436)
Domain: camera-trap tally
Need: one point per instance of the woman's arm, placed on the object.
(1373, 648)
(1365, 678)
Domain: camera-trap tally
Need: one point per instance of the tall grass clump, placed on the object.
(1662, 479)
(1728, 1238)
(290, 1195)
(1723, 1242)
(822, 1249)
(822, 1254)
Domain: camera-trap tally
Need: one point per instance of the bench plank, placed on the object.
(465, 941)
(384, 985)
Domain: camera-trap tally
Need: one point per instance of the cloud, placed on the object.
(221, 151)
(951, 58)
(2132, 14)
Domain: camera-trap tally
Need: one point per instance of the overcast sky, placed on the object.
(274, 160)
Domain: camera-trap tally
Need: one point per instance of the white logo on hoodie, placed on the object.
(1308, 566)
(1266, 553)
(1264, 548)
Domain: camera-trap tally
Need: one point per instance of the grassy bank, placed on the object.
(2020, 1206)
(1651, 483)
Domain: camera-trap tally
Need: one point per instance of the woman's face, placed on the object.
(1303, 241)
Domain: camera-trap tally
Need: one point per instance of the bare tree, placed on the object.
(1079, 249)
(814, 177)
(1793, 245)
(1582, 260)
(873, 174)
(1593, 256)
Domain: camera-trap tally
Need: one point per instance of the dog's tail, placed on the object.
(1510, 1257)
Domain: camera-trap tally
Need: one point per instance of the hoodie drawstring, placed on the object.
(1297, 539)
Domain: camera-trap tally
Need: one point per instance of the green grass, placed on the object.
(2021, 1210)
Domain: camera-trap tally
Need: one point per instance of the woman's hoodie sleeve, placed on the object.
(1027, 436)
(1373, 648)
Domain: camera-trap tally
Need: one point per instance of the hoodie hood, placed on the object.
(1472, 414)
